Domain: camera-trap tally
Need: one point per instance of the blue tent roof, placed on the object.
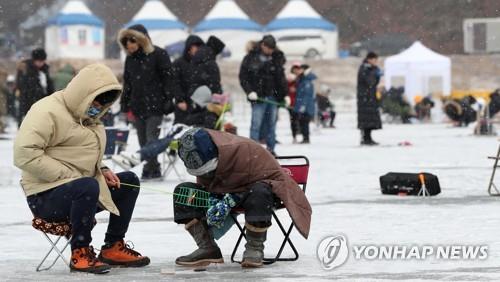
(301, 23)
(227, 23)
(74, 19)
(151, 24)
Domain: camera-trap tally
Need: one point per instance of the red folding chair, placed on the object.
(298, 168)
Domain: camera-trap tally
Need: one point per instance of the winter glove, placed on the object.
(219, 209)
(177, 131)
(252, 96)
(288, 101)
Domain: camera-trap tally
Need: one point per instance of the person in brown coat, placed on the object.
(238, 172)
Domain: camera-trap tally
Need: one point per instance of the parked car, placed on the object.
(306, 46)
(383, 45)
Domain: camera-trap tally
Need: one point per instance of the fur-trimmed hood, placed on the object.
(141, 35)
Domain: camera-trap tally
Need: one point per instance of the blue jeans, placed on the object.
(264, 113)
(154, 148)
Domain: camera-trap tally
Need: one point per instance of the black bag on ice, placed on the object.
(394, 183)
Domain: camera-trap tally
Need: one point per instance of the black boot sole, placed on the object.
(201, 262)
(94, 270)
(137, 263)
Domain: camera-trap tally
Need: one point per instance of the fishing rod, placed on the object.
(282, 105)
(187, 196)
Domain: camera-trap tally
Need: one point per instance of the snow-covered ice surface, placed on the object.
(345, 196)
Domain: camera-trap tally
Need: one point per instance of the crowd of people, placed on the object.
(61, 141)
(154, 86)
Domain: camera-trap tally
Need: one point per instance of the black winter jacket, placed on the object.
(368, 105)
(148, 78)
(193, 72)
(184, 70)
(264, 75)
(206, 69)
(30, 88)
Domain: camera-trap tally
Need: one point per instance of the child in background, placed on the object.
(304, 101)
(326, 109)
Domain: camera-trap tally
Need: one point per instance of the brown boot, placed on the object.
(84, 260)
(208, 252)
(121, 254)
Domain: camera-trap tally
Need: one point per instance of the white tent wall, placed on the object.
(227, 21)
(330, 37)
(162, 38)
(332, 44)
(82, 42)
(52, 42)
(418, 65)
(164, 28)
(235, 40)
(417, 80)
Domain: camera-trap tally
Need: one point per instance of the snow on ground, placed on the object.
(345, 197)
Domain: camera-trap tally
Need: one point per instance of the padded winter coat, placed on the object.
(196, 71)
(243, 162)
(265, 76)
(304, 99)
(30, 88)
(206, 70)
(148, 82)
(58, 142)
(368, 105)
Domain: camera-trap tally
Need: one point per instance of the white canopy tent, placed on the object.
(75, 33)
(298, 18)
(417, 65)
(163, 26)
(232, 25)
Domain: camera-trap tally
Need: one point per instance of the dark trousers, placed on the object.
(323, 119)
(294, 122)
(366, 135)
(258, 202)
(148, 130)
(77, 202)
(304, 120)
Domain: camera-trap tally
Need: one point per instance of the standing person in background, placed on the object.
(206, 69)
(3, 100)
(262, 77)
(368, 106)
(304, 101)
(184, 72)
(148, 80)
(195, 69)
(10, 89)
(63, 76)
(33, 81)
(292, 93)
